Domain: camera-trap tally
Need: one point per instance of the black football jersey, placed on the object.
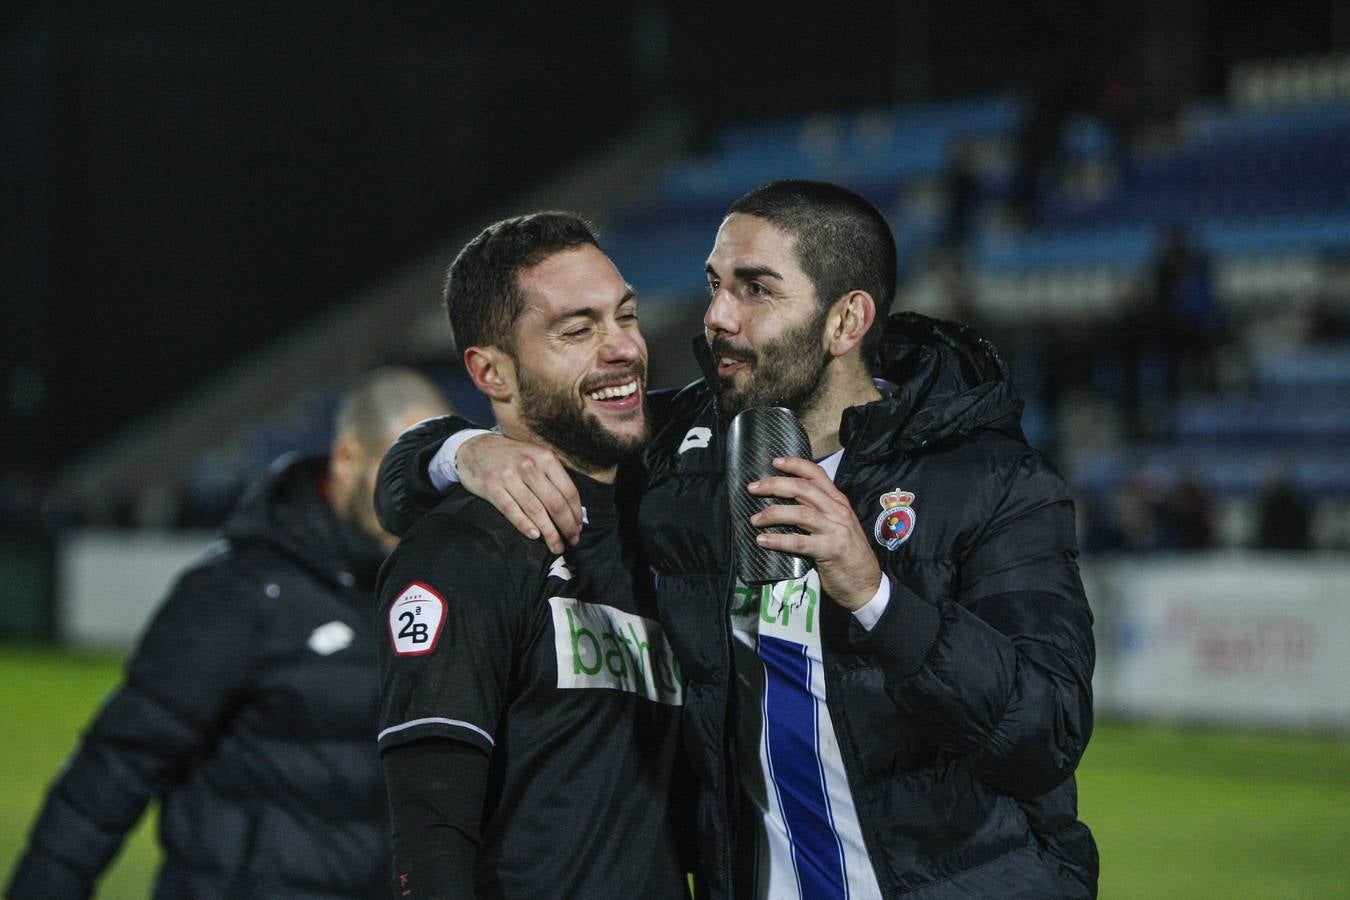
(556, 667)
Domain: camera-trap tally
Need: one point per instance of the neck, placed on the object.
(841, 386)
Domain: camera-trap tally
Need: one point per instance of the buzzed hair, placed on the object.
(842, 242)
(378, 402)
(483, 296)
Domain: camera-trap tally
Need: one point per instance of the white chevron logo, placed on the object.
(696, 438)
(330, 638)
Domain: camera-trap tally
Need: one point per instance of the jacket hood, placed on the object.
(949, 382)
(288, 512)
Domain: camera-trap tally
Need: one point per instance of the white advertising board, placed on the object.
(1240, 639)
(1248, 639)
(109, 583)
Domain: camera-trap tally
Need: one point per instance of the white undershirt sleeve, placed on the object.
(870, 612)
(442, 469)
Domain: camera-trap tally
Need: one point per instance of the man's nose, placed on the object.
(720, 316)
(621, 345)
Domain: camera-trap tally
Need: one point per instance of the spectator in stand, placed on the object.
(1190, 524)
(1184, 316)
(1138, 513)
(1285, 517)
(1170, 342)
(962, 188)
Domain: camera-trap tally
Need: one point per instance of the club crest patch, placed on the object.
(896, 522)
(415, 620)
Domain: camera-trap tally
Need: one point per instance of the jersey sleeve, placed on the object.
(436, 791)
(450, 613)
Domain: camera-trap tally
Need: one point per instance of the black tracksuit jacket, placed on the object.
(249, 709)
(963, 713)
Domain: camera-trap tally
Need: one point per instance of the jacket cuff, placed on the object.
(417, 474)
(42, 877)
(902, 637)
(871, 612)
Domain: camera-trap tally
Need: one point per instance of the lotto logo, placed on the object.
(415, 620)
(696, 438)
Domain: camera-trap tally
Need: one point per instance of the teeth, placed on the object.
(613, 393)
(729, 362)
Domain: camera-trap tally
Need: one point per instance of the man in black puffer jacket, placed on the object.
(961, 712)
(249, 705)
(907, 719)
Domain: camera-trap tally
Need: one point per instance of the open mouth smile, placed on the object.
(616, 396)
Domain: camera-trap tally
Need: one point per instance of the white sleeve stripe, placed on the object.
(435, 720)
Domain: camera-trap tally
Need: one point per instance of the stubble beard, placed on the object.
(559, 418)
(785, 372)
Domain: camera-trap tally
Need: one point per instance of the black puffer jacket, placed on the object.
(249, 708)
(963, 713)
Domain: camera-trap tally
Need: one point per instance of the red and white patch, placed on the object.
(896, 522)
(416, 619)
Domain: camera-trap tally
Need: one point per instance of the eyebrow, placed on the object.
(747, 273)
(590, 312)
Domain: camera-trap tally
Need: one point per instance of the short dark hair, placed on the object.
(843, 243)
(482, 293)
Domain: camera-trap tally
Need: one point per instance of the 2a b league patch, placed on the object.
(416, 619)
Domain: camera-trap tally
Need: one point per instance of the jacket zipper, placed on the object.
(840, 717)
(729, 799)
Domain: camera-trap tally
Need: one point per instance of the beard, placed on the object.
(784, 372)
(559, 417)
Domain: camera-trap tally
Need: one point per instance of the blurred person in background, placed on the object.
(1285, 517)
(529, 701)
(909, 717)
(961, 183)
(1185, 315)
(1139, 514)
(1190, 516)
(248, 708)
(1170, 343)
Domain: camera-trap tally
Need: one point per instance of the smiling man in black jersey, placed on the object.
(529, 701)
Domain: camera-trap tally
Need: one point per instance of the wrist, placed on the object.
(870, 612)
(444, 467)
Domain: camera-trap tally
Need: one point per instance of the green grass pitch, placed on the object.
(1177, 813)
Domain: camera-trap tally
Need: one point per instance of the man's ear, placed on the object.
(492, 370)
(849, 319)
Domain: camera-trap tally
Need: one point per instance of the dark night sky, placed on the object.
(191, 185)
